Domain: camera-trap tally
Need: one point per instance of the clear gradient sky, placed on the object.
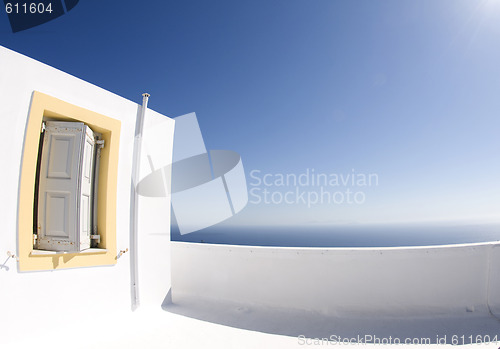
(409, 90)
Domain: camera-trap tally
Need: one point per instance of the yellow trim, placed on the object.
(44, 106)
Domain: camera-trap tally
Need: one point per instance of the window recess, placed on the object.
(66, 187)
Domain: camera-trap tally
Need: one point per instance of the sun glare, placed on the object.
(491, 5)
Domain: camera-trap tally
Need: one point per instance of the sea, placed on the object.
(364, 235)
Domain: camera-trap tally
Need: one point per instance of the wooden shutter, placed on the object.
(65, 187)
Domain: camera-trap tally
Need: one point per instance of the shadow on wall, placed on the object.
(454, 329)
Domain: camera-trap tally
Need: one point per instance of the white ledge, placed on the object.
(87, 251)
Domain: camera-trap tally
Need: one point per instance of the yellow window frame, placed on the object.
(45, 106)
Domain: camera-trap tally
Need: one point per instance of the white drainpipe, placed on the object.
(134, 203)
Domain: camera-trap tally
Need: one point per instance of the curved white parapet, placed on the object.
(494, 281)
(401, 281)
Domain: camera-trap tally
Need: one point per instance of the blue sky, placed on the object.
(408, 90)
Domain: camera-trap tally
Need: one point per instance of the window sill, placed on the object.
(87, 251)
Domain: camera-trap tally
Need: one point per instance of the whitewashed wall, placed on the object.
(341, 281)
(52, 301)
(494, 281)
